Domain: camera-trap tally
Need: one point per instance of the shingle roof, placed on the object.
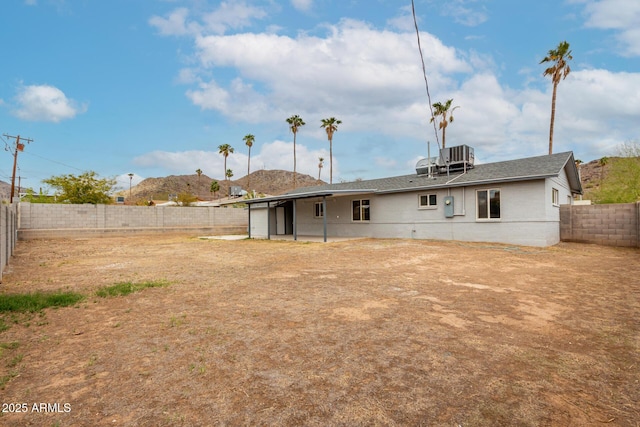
(529, 168)
(512, 170)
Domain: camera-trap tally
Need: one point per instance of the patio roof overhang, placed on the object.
(297, 196)
(307, 195)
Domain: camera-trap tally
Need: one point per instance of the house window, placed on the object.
(319, 210)
(555, 197)
(488, 204)
(427, 201)
(360, 210)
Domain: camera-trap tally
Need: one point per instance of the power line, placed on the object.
(424, 72)
(55, 161)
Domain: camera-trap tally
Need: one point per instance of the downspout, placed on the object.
(324, 216)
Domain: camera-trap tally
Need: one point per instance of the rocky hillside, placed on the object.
(592, 173)
(272, 182)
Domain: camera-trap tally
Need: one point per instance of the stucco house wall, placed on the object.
(523, 217)
(528, 216)
(531, 193)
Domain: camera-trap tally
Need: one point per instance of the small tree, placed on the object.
(228, 174)
(198, 172)
(186, 198)
(84, 188)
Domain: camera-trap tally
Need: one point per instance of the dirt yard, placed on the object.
(361, 332)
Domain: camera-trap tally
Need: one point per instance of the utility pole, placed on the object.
(19, 147)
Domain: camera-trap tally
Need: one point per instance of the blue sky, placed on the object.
(154, 87)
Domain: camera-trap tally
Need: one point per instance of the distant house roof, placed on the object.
(526, 169)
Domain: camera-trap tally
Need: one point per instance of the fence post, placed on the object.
(638, 224)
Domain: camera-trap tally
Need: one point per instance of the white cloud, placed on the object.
(621, 16)
(46, 103)
(302, 5)
(372, 80)
(279, 155)
(354, 72)
(175, 24)
(274, 155)
(463, 13)
(229, 15)
(232, 15)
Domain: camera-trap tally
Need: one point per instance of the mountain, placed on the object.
(271, 182)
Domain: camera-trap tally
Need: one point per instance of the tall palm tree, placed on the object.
(249, 140)
(295, 122)
(330, 125)
(444, 110)
(225, 150)
(320, 165)
(558, 71)
(198, 172)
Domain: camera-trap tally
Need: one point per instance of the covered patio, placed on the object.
(288, 204)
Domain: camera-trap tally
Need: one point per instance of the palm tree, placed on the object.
(330, 125)
(198, 172)
(225, 150)
(229, 173)
(295, 122)
(603, 162)
(440, 109)
(249, 140)
(215, 187)
(320, 164)
(558, 71)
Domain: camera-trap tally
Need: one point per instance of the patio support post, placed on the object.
(268, 221)
(249, 207)
(324, 216)
(295, 223)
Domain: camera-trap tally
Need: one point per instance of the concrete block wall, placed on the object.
(611, 224)
(41, 220)
(8, 233)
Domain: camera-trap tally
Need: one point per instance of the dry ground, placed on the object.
(363, 332)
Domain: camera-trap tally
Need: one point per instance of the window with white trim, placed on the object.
(319, 210)
(360, 210)
(427, 201)
(488, 204)
(555, 197)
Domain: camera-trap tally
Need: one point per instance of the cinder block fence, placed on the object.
(8, 235)
(41, 220)
(611, 225)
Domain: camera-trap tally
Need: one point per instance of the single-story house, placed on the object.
(515, 202)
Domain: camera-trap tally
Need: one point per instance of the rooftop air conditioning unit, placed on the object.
(458, 157)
